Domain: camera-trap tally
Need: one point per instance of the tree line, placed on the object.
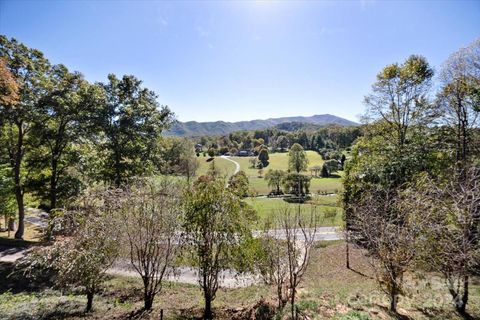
(279, 139)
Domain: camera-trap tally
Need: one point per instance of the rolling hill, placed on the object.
(194, 128)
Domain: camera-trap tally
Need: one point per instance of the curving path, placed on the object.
(237, 165)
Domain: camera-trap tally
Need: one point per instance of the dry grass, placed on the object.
(329, 291)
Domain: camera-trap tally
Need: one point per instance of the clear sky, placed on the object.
(244, 60)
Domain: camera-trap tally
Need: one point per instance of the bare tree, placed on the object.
(272, 263)
(389, 233)
(151, 216)
(451, 237)
(285, 250)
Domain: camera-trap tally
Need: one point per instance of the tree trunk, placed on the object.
(281, 301)
(393, 301)
(292, 301)
(461, 303)
(18, 183)
(347, 250)
(53, 185)
(208, 315)
(147, 294)
(148, 302)
(89, 301)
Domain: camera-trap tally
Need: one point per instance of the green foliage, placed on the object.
(215, 224)
(275, 178)
(263, 156)
(324, 173)
(62, 125)
(239, 184)
(29, 68)
(130, 120)
(176, 156)
(297, 159)
(332, 166)
(7, 197)
(282, 142)
(297, 183)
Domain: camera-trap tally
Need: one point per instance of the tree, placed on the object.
(213, 171)
(177, 157)
(214, 228)
(297, 158)
(450, 241)
(284, 252)
(81, 259)
(459, 98)
(388, 231)
(62, 122)
(211, 152)
(263, 156)
(151, 219)
(274, 179)
(332, 166)
(239, 185)
(131, 121)
(342, 160)
(282, 143)
(297, 183)
(324, 173)
(398, 144)
(271, 261)
(28, 67)
(400, 96)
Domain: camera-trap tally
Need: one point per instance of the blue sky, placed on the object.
(244, 60)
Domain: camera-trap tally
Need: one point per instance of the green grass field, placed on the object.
(224, 166)
(279, 161)
(268, 207)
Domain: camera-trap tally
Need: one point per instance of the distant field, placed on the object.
(226, 167)
(267, 208)
(280, 161)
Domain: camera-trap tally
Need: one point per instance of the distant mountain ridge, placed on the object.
(194, 128)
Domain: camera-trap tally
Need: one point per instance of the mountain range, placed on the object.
(194, 128)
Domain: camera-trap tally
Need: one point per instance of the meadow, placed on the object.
(325, 208)
(278, 161)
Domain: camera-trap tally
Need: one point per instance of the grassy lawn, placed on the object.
(224, 166)
(279, 161)
(266, 208)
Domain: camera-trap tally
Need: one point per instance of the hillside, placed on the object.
(194, 128)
